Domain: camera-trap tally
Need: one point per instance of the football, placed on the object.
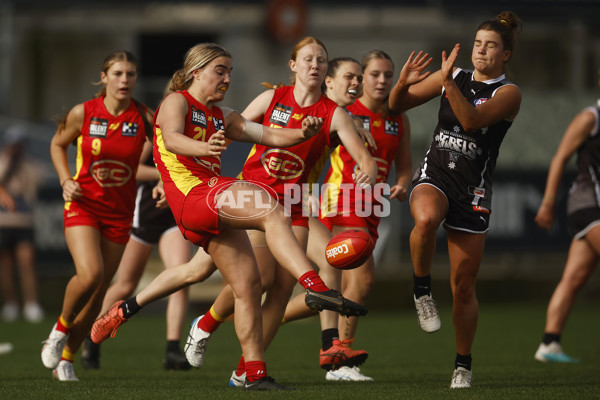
(349, 249)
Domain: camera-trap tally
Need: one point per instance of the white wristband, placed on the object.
(253, 130)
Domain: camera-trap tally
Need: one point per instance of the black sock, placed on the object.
(327, 337)
(551, 337)
(130, 307)
(422, 285)
(173, 346)
(462, 361)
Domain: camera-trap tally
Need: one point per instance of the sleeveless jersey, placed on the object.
(182, 173)
(585, 191)
(387, 132)
(465, 160)
(108, 152)
(298, 164)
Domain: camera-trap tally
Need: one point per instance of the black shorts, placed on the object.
(10, 237)
(462, 215)
(581, 221)
(149, 222)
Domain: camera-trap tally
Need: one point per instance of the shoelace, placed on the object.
(427, 308)
(461, 377)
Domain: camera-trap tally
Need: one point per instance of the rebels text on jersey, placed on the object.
(465, 159)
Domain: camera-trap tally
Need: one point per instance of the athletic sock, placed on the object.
(255, 370)
(63, 326)
(68, 356)
(312, 280)
(422, 285)
(211, 321)
(327, 337)
(130, 307)
(551, 337)
(173, 346)
(241, 368)
(462, 361)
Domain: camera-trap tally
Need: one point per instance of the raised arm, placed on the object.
(576, 134)
(504, 104)
(415, 87)
(343, 125)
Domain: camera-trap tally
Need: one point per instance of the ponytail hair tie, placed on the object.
(503, 21)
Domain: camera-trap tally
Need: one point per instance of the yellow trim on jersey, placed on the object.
(79, 159)
(330, 204)
(315, 172)
(181, 176)
(252, 151)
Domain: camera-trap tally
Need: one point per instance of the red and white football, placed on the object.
(349, 249)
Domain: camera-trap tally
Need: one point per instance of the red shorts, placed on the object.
(197, 214)
(352, 220)
(297, 218)
(114, 229)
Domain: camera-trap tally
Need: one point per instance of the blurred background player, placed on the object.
(582, 137)
(22, 177)
(391, 132)
(109, 132)
(453, 184)
(153, 225)
(392, 144)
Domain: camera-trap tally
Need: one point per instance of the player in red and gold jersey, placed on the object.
(213, 211)
(109, 132)
(283, 170)
(391, 133)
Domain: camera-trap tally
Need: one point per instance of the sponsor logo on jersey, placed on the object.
(481, 209)
(213, 181)
(366, 122)
(297, 116)
(218, 123)
(129, 129)
(458, 143)
(477, 191)
(198, 117)
(98, 127)
(281, 114)
(377, 123)
(391, 128)
(282, 164)
(480, 101)
(110, 173)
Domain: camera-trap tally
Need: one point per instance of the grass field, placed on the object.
(405, 362)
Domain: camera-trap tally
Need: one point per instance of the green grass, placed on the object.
(405, 362)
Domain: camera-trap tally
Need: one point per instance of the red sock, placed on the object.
(208, 323)
(63, 326)
(255, 370)
(241, 368)
(312, 280)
